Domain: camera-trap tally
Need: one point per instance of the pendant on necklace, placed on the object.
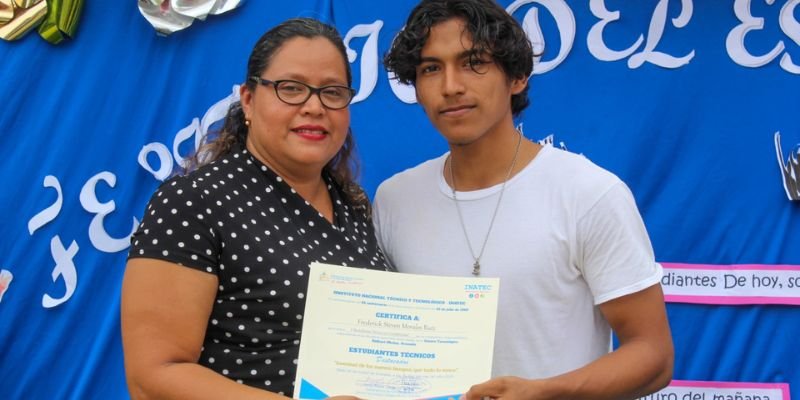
(476, 268)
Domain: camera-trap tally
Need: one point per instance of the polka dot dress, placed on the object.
(237, 219)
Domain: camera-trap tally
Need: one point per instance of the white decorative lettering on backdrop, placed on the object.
(567, 27)
(602, 52)
(98, 236)
(735, 42)
(369, 64)
(64, 269)
(565, 21)
(197, 129)
(51, 212)
(369, 56)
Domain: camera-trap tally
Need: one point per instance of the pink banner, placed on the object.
(731, 284)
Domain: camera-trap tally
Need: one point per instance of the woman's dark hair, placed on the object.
(493, 32)
(343, 168)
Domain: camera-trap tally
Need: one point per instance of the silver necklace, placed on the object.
(476, 267)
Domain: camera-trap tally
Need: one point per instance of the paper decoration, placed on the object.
(56, 19)
(168, 16)
(789, 169)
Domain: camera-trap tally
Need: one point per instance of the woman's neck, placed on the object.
(307, 181)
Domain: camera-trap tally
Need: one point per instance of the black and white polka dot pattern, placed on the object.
(237, 219)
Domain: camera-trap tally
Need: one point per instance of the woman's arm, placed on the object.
(165, 310)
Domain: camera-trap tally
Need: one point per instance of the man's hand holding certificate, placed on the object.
(381, 335)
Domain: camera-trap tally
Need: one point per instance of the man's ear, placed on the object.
(518, 85)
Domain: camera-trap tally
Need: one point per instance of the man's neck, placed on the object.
(488, 161)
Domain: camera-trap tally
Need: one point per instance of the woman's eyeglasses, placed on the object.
(333, 97)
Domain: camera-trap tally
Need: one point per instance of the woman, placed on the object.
(214, 289)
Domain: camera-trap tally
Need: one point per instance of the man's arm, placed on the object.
(641, 365)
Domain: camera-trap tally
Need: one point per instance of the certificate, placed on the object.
(385, 335)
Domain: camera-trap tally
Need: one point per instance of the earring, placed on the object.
(247, 122)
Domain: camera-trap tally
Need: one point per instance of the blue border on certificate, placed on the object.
(309, 391)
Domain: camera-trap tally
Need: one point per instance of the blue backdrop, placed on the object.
(681, 99)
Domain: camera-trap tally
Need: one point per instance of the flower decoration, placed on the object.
(56, 19)
(168, 16)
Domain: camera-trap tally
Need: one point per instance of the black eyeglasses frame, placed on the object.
(312, 90)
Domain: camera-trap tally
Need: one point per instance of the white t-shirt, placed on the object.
(567, 236)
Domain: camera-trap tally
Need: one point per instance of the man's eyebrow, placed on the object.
(462, 55)
(428, 59)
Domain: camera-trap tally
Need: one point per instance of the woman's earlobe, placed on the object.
(245, 94)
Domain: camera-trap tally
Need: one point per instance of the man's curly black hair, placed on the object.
(493, 32)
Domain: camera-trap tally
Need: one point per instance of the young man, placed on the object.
(563, 235)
